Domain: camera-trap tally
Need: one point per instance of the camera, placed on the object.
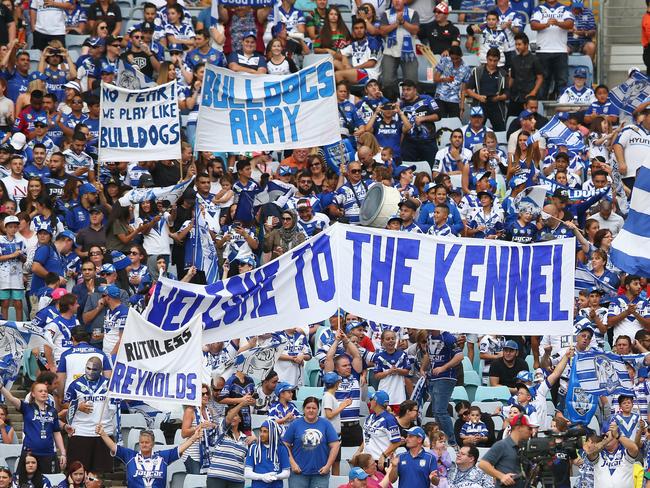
(365, 10)
(388, 106)
(55, 52)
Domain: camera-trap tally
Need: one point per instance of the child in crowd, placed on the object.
(284, 411)
(474, 432)
(332, 409)
(439, 450)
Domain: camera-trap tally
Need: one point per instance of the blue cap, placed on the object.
(120, 260)
(41, 120)
(111, 290)
(578, 4)
(563, 116)
(250, 260)
(380, 396)
(580, 72)
(401, 168)
(108, 69)
(95, 42)
(107, 269)
(177, 48)
(45, 228)
(395, 217)
(511, 345)
(339, 313)
(524, 114)
(68, 234)
(519, 180)
(331, 378)
(251, 33)
(285, 170)
(430, 186)
(87, 188)
(417, 431)
(476, 111)
(353, 325)
(525, 376)
(357, 473)
(643, 372)
(487, 193)
(283, 386)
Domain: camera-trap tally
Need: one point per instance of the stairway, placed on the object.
(621, 38)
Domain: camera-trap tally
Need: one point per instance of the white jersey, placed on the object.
(613, 469)
(635, 141)
(552, 39)
(83, 390)
(571, 94)
(361, 52)
(16, 188)
(49, 20)
(11, 271)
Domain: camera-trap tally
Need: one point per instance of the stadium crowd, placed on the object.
(337, 403)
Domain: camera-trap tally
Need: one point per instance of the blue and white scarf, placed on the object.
(408, 47)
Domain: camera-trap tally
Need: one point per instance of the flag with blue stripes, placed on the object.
(631, 93)
(170, 193)
(275, 191)
(205, 252)
(338, 153)
(630, 246)
(557, 133)
(576, 196)
(130, 77)
(585, 279)
(580, 405)
(214, 12)
(15, 339)
(604, 373)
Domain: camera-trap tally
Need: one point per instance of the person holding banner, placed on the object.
(145, 467)
(196, 457)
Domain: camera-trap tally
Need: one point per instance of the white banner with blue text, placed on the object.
(157, 364)
(242, 112)
(139, 125)
(397, 278)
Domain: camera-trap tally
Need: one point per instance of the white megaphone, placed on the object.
(381, 204)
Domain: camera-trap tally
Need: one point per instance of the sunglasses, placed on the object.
(95, 253)
(355, 171)
(287, 218)
(136, 37)
(102, 27)
(114, 45)
(133, 253)
(205, 393)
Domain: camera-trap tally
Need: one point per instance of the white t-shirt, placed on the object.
(11, 271)
(157, 240)
(49, 20)
(636, 142)
(330, 401)
(553, 39)
(16, 188)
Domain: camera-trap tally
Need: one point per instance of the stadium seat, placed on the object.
(498, 422)
(129, 421)
(309, 391)
(176, 472)
(487, 407)
(529, 362)
(459, 393)
(347, 453)
(10, 452)
(501, 137)
(344, 469)
(311, 372)
(550, 407)
(580, 61)
(420, 166)
(310, 59)
(467, 365)
(489, 393)
(482, 451)
(452, 453)
(336, 481)
(195, 481)
(472, 381)
(178, 437)
(55, 479)
(450, 123)
(73, 41)
(594, 424)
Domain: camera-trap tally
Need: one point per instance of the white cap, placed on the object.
(18, 141)
(11, 219)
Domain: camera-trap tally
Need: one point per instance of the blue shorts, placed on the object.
(12, 294)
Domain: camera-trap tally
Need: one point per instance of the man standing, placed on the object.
(526, 75)
(419, 143)
(607, 219)
(451, 74)
(502, 460)
(487, 85)
(15, 183)
(631, 148)
(93, 235)
(399, 25)
(464, 471)
(74, 360)
(415, 468)
(114, 320)
(47, 20)
(440, 34)
(552, 21)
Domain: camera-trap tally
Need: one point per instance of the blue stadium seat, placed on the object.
(459, 393)
(490, 393)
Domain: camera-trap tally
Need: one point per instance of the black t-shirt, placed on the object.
(5, 19)
(506, 375)
(164, 175)
(561, 467)
(112, 16)
(87, 237)
(142, 61)
(441, 37)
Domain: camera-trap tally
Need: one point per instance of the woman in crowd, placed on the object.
(145, 464)
(421, 179)
(318, 168)
(119, 234)
(313, 446)
(107, 11)
(34, 190)
(525, 161)
(137, 270)
(229, 445)
(334, 35)
(96, 256)
(75, 476)
(591, 228)
(5, 478)
(368, 14)
(7, 432)
(45, 215)
(196, 457)
(41, 431)
(267, 462)
(156, 225)
(603, 241)
(479, 164)
(277, 62)
(598, 264)
(407, 416)
(29, 473)
(376, 479)
(288, 236)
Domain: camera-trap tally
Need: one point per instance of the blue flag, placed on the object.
(338, 153)
(631, 93)
(15, 339)
(580, 405)
(205, 252)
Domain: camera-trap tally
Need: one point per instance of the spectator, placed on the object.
(248, 60)
(503, 371)
(107, 11)
(491, 36)
(440, 34)
(487, 85)
(30, 473)
(581, 38)
(416, 467)
(629, 150)
(197, 418)
(526, 76)
(612, 457)
(267, 461)
(465, 470)
(313, 446)
(361, 58)
(48, 21)
(333, 37)
(452, 76)
(628, 313)
(376, 479)
(552, 21)
(419, 143)
(399, 25)
(381, 435)
(607, 219)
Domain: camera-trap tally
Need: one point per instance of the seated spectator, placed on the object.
(248, 60)
(361, 59)
(582, 38)
(503, 371)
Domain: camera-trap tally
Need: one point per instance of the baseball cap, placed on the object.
(108, 69)
(562, 194)
(476, 111)
(593, 289)
(175, 48)
(283, 386)
(95, 209)
(520, 420)
(408, 204)
(285, 170)
(303, 203)
(394, 217)
(250, 34)
(442, 8)
(147, 27)
(58, 293)
(525, 376)
(580, 71)
(107, 269)
(511, 345)
(250, 260)
(583, 324)
(525, 114)
(120, 260)
(380, 396)
(112, 39)
(11, 219)
(357, 473)
(18, 141)
(486, 193)
(563, 116)
(331, 378)
(401, 168)
(111, 290)
(430, 186)
(353, 325)
(67, 234)
(539, 375)
(87, 188)
(95, 42)
(73, 85)
(417, 431)
(578, 4)
(457, 190)
(44, 228)
(42, 121)
(519, 180)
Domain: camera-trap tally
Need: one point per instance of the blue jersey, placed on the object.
(524, 234)
(146, 472)
(261, 464)
(279, 411)
(389, 134)
(604, 109)
(470, 428)
(349, 119)
(472, 137)
(422, 106)
(441, 349)
(48, 257)
(39, 428)
(16, 83)
(213, 57)
(77, 218)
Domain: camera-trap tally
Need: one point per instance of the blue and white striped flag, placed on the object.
(557, 133)
(214, 12)
(170, 193)
(130, 77)
(630, 246)
(205, 252)
(15, 339)
(604, 373)
(630, 94)
(585, 279)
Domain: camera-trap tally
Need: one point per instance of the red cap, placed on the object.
(442, 7)
(520, 420)
(58, 293)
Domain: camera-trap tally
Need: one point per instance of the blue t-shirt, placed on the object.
(414, 471)
(149, 472)
(50, 259)
(310, 443)
(441, 349)
(39, 428)
(267, 465)
(389, 134)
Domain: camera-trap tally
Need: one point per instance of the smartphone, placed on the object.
(269, 220)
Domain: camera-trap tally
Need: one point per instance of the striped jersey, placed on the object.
(227, 454)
